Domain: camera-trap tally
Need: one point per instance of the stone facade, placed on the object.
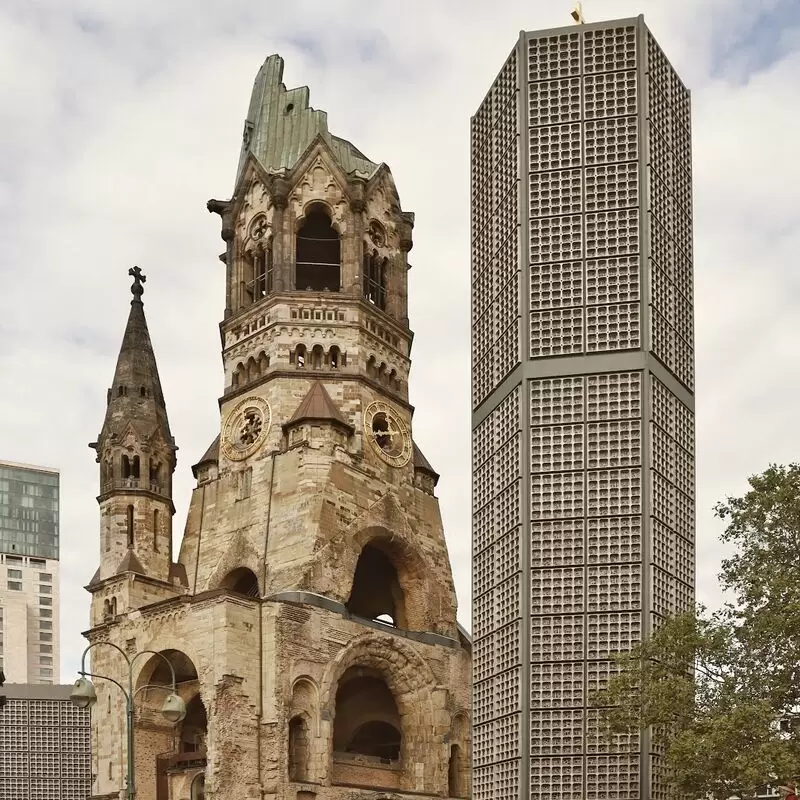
(310, 617)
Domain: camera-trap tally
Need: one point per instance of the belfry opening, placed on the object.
(318, 253)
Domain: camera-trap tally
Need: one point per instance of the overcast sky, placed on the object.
(119, 120)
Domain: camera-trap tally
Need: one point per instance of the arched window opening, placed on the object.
(263, 363)
(252, 369)
(300, 355)
(135, 468)
(374, 279)
(262, 273)
(242, 581)
(194, 727)
(198, 791)
(382, 373)
(376, 592)
(299, 746)
(142, 391)
(334, 357)
(126, 467)
(367, 721)
(113, 607)
(130, 526)
(372, 368)
(248, 279)
(318, 253)
(455, 773)
(317, 356)
(156, 522)
(394, 383)
(155, 472)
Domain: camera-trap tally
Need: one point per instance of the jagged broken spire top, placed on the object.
(281, 124)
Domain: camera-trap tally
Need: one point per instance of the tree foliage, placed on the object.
(718, 689)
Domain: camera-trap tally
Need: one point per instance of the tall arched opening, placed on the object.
(367, 725)
(376, 592)
(318, 253)
(179, 749)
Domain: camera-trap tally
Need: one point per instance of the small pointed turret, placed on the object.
(136, 452)
(135, 397)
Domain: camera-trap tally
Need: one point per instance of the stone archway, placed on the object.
(409, 593)
(408, 679)
(166, 751)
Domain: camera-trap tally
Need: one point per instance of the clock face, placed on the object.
(387, 434)
(246, 428)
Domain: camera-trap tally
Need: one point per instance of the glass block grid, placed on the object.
(672, 501)
(44, 751)
(672, 521)
(497, 603)
(495, 223)
(586, 582)
(669, 217)
(583, 193)
(609, 250)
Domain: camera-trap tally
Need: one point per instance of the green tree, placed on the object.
(716, 688)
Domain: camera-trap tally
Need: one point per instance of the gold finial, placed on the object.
(577, 14)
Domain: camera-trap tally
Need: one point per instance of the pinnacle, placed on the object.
(135, 397)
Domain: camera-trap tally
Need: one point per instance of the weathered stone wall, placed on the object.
(294, 514)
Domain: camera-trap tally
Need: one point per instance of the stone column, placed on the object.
(352, 265)
(398, 296)
(282, 239)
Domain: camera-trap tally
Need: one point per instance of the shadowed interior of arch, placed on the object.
(199, 787)
(242, 581)
(456, 778)
(376, 592)
(367, 721)
(194, 727)
(299, 745)
(160, 675)
(318, 252)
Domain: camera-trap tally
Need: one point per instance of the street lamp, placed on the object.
(83, 695)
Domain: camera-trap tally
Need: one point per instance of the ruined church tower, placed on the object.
(310, 616)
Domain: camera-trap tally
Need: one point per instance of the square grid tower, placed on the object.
(583, 400)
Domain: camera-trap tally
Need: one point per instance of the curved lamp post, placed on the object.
(83, 695)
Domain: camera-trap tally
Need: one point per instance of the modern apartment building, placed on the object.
(583, 400)
(45, 751)
(29, 575)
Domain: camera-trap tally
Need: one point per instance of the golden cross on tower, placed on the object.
(577, 14)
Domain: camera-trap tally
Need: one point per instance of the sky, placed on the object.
(118, 121)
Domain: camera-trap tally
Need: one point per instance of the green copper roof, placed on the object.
(280, 126)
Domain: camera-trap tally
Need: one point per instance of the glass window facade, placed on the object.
(29, 511)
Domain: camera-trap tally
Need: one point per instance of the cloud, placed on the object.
(119, 120)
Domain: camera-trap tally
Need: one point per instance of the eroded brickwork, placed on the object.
(310, 617)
